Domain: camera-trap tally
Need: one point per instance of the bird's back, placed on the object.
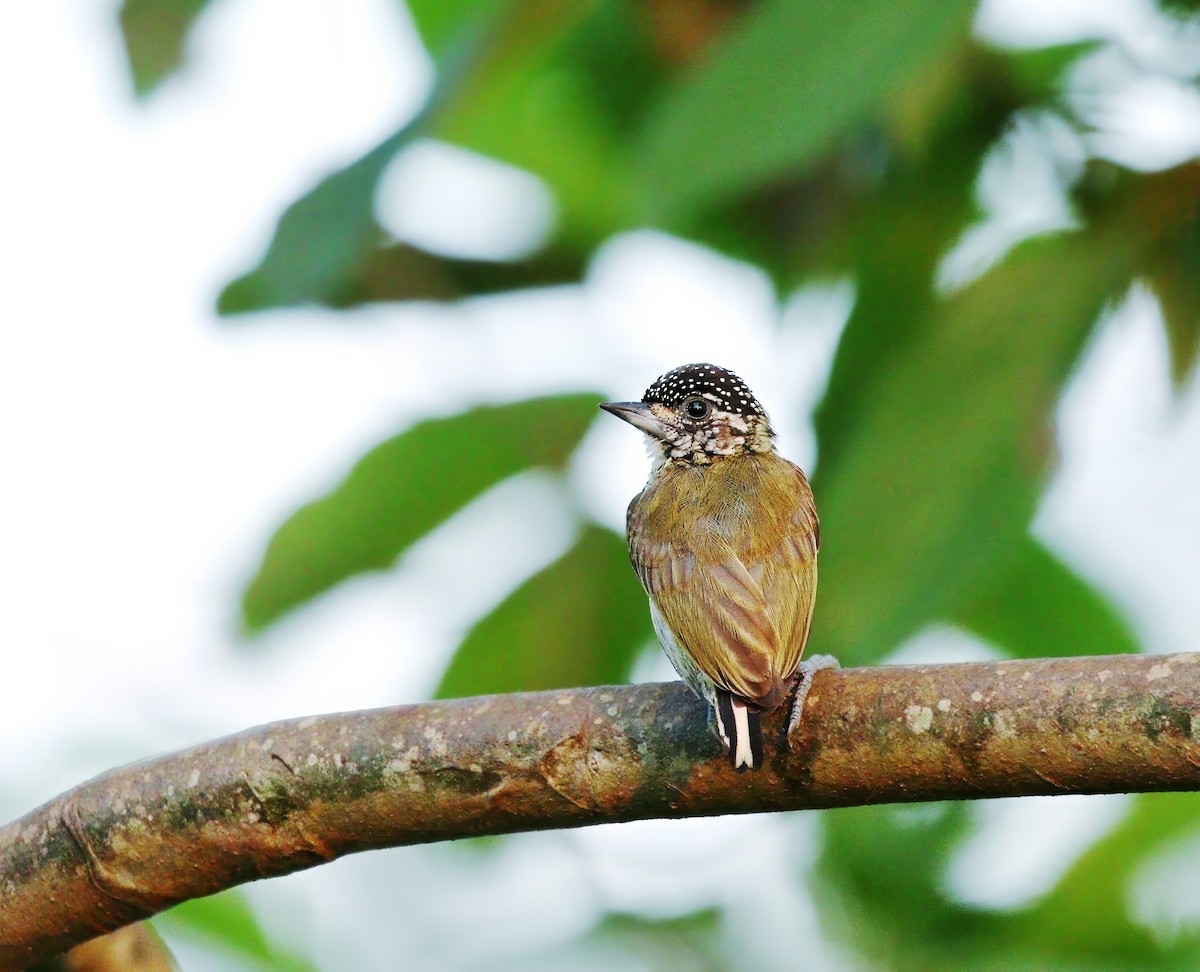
(736, 580)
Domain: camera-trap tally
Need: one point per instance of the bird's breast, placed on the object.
(729, 502)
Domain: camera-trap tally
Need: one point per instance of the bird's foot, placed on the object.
(715, 724)
(804, 679)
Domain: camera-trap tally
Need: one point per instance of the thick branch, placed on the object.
(293, 794)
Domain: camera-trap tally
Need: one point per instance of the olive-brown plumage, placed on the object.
(724, 539)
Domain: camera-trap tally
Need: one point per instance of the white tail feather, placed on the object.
(743, 755)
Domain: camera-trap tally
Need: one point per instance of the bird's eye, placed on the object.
(697, 408)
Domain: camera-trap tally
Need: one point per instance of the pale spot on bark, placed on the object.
(919, 718)
(1002, 722)
(437, 741)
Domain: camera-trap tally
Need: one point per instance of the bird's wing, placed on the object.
(790, 580)
(740, 610)
(716, 611)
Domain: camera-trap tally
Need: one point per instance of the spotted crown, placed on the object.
(718, 385)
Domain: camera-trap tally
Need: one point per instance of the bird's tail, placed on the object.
(742, 728)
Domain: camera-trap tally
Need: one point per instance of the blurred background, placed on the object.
(307, 307)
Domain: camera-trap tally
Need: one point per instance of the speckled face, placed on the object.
(700, 412)
(720, 386)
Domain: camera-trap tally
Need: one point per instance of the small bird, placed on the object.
(724, 539)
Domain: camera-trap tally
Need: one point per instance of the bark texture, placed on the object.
(293, 794)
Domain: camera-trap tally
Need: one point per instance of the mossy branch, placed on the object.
(293, 794)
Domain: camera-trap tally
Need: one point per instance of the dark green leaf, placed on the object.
(1174, 273)
(1039, 72)
(321, 240)
(580, 621)
(1040, 608)
(785, 82)
(405, 487)
(938, 474)
(154, 32)
(403, 272)
(1180, 8)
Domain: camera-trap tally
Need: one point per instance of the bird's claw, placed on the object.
(804, 679)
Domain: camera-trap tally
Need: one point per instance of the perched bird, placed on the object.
(724, 539)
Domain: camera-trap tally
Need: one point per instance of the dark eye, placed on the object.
(697, 408)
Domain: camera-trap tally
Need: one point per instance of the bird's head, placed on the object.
(697, 412)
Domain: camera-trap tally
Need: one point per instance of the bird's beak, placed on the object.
(638, 415)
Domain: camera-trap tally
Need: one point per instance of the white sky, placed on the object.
(150, 450)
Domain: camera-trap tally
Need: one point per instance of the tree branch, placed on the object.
(293, 794)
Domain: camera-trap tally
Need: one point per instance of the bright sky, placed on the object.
(151, 449)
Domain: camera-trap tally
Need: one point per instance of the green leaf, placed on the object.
(787, 80)
(581, 621)
(228, 920)
(882, 889)
(1040, 608)
(881, 883)
(691, 941)
(405, 487)
(321, 239)
(530, 102)
(225, 917)
(1087, 916)
(154, 32)
(403, 272)
(443, 22)
(1039, 71)
(937, 471)
(1173, 272)
(494, 96)
(913, 216)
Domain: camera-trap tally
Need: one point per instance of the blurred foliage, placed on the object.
(812, 140)
(586, 622)
(881, 885)
(405, 487)
(226, 920)
(1060, 615)
(154, 32)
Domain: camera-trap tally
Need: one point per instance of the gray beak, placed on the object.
(638, 415)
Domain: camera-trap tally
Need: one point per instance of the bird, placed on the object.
(724, 539)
